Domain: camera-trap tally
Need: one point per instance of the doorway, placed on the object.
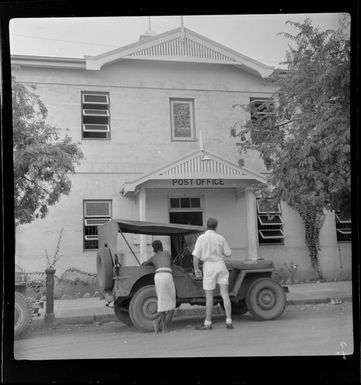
(179, 244)
(187, 217)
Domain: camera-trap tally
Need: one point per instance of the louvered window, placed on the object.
(95, 115)
(270, 222)
(343, 227)
(96, 213)
(262, 111)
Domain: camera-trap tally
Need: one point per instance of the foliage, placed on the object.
(303, 134)
(42, 159)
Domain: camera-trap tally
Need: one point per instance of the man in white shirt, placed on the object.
(211, 248)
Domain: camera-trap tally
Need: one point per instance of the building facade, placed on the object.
(153, 119)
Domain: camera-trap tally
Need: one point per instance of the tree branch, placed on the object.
(31, 181)
(288, 122)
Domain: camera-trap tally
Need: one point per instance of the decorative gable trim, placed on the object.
(198, 164)
(181, 45)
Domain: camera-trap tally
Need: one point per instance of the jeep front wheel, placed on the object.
(143, 308)
(265, 299)
(22, 316)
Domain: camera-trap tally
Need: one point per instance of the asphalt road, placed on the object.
(323, 329)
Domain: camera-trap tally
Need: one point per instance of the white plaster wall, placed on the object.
(139, 107)
(34, 238)
(221, 204)
(140, 142)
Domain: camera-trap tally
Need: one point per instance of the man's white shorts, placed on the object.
(214, 272)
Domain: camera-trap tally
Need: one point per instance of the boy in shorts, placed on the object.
(211, 248)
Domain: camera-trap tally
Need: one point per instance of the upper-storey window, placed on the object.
(262, 111)
(270, 222)
(182, 119)
(95, 114)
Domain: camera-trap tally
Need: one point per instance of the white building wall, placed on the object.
(140, 142)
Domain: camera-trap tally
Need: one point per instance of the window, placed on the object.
(95, 115)
(262, 111)
(185, 203)
(96, 213)
(182, 119)
(270, 222)
(186, 210)
(343, 227)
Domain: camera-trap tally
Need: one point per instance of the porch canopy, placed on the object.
(199, 169)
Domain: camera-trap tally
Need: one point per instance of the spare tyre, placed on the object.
(22, 316)
(105, 270)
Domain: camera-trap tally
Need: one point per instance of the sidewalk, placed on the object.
(89, 310)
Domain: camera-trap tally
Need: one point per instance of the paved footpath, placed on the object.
(88, 310)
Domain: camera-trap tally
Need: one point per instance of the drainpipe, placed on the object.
(142, 210)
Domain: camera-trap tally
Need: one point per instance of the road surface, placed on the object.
(323, 329)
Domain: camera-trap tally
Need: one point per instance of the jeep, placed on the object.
(131, 288)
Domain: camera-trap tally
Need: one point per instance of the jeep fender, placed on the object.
(130, 279)
(245, 279)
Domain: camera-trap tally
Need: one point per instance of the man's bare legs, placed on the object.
(226, 304)
(226, 300)
(209, 305)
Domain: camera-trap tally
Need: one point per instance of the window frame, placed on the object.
(191, 102)
(180, 209)
(94, 217)
(264, 227)
(343, 231)
(254, 115)
(86, 127)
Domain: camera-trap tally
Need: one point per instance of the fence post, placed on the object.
(49, 316)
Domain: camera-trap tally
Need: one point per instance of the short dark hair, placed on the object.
(157, 245)
(212, 223)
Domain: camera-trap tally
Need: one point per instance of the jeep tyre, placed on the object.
(143, 308)
(105, 270)
(265, 299)
(22, 316)
(121, 310)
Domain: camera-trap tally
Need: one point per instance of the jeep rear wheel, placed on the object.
(143, 308)
(265, 299)
(121, 310)
(104, 270)
(22, 316)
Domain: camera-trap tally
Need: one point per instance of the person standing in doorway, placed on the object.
(164, 284)
(211, 248)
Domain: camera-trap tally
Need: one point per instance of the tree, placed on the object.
(43, 160)
(303, 134)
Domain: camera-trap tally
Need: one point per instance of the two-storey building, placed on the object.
(154, 119)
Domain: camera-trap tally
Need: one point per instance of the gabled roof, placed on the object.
(200, 164)
(180, 44)
(177, 45)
